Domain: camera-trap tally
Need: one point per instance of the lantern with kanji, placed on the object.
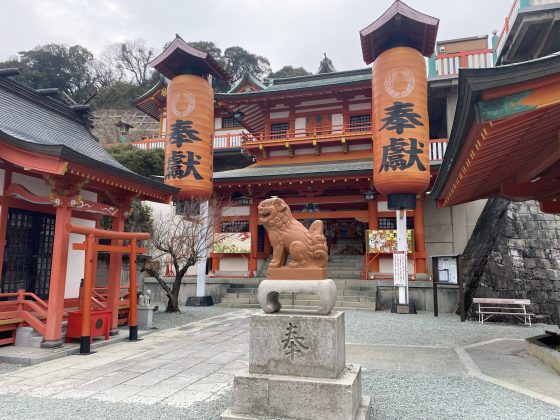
(397, 43)
(190, 118)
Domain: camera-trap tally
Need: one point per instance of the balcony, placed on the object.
(531, 30)
(288, 139)
(449, 64)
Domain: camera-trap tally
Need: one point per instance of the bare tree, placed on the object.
(133, 57)
(183, 237)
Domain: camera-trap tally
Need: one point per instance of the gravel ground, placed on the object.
(8, 367)
(400, 395)
(447, 330)
(163, 320)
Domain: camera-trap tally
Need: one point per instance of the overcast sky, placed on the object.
(295, 32)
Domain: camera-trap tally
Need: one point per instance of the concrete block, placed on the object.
(28, 337)
(262, 396)
(297, 344)
(145, 317)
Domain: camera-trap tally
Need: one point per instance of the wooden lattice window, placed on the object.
(230, 122)
(360, 122)
(278, 130)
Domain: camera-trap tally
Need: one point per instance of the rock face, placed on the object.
(514, 253)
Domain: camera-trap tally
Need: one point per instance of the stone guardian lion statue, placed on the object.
(308, 248)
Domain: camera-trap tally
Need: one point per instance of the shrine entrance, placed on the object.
(345, 236)
(28, 252)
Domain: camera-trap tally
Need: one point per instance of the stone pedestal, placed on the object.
(270, 290)
(297, 370)
(145, 316)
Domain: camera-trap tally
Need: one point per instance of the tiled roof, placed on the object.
(294, 171)
(30, 121)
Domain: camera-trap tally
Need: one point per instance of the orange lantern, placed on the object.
(190, 128)
(401, 163)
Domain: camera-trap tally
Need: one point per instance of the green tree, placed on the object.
(238, 61)
(288, 71)
(67, 68)
(143, 162)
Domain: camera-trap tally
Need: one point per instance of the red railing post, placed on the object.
(20, 300)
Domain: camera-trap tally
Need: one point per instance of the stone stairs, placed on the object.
(29, 337)
(351, 294)
(345, 266)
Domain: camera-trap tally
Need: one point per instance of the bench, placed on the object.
(489, 307)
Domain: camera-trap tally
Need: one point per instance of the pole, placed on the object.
(435, 279)
(85, 338)
(132, 310)
(402, 245)
(461, 288)
(201, 267)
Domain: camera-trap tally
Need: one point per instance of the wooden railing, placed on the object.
(27, 306)
(150, 144)
(437, 149)
(449, 64)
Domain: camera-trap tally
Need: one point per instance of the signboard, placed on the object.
(232, 243)
(384, 241)
(400, 268)
(447, 269)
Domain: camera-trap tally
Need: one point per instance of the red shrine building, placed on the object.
(53, 172)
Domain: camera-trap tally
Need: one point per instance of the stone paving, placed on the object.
(414, 367)
(176, 367)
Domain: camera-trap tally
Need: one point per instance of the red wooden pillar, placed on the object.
(373, 224)
(4, 209)
(419, 237)
(253, 230)
(58, 277)
(90, 261)
(114, 279)
(132, 299)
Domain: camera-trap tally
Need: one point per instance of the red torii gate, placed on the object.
(91, 248)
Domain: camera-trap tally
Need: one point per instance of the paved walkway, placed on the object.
(186, 372)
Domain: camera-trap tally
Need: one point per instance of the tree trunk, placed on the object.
(172, 304)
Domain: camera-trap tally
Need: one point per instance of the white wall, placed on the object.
(233, 264)
(75, 267)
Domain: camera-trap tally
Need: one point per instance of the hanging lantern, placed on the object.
(401, 161)
(190, 127)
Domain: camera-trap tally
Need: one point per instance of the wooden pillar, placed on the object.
(132, 310)
(253, 230)
(373, 224)
(4, 209)
(419, 237)
(58, 277)
(90, 260)
(114, 278)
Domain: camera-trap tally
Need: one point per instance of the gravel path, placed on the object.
(446, 330)
(188, 314)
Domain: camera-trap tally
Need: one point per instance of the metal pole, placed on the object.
(461, 288)
(435, 279)
(201, 267)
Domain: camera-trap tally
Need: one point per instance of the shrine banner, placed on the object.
(401, 162)
(384, 241)
(232, 243)
(190, 128)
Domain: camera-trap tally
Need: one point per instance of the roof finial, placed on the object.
(326, 65)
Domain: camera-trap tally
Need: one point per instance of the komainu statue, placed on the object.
(308, 248)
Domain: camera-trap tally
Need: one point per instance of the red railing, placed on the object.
(27, 306)
(150, 144)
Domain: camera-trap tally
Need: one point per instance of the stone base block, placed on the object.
(269, 291)
(265, 396)
(200, 301)
(297, 344)
(145, 317)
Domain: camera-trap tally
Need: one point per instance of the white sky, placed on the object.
(295, 32)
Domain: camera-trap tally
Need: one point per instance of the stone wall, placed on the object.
(514, 253)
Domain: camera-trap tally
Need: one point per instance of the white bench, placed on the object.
(489, 307)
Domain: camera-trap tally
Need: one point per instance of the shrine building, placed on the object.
(53, 172)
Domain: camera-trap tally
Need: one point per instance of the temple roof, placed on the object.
(326, 65)
(247, 83)
(347, 167)
(507, 114)
(153, 100)
(33, 122)
(181, 58)
(400, 25)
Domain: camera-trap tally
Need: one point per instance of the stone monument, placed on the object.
(297, 359)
